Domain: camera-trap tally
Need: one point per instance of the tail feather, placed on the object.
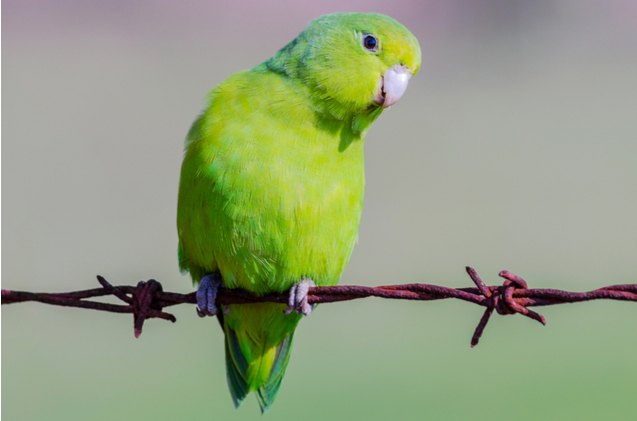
(267, 393)
(236, 367)
(263, 373)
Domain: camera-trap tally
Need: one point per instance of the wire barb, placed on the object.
(147, 299)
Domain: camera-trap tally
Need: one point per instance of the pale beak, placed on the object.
(392, 85)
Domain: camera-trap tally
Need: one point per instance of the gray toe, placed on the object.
(297, 300)
(207, 294)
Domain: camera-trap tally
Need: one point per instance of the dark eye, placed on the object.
(370, 42)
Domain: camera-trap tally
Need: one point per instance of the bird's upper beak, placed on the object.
(392, 85)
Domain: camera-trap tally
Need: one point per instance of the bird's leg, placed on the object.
(297, 301)
(207, 294)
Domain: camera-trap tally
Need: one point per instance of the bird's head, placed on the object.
(353, 63)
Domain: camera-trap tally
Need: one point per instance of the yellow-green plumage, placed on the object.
(272, 180)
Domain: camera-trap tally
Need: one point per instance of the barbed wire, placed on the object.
(147, 299)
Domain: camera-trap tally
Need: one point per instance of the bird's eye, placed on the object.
(370, 43)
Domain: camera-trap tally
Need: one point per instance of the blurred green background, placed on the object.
(516, 147)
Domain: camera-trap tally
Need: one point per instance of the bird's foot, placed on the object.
(207, 294)
(297, 301)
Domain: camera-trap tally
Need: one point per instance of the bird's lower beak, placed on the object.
(392, 86)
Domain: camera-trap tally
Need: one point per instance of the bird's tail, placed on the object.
(255, 366)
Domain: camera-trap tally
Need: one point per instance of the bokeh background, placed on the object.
(516, 147)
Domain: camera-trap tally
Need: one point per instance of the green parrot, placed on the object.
(272, 182)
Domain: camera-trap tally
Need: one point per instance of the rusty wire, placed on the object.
(147, 299)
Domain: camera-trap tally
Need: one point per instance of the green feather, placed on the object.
(236, 367)
(267, 392)
(272, 181)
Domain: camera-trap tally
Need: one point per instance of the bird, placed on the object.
(272, 182)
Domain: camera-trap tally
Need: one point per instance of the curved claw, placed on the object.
(297, 300)
(207, 294)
